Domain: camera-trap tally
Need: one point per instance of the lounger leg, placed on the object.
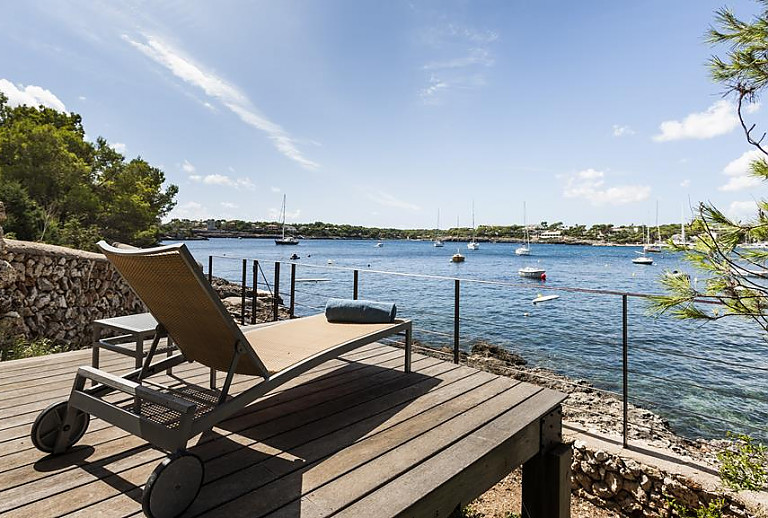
(408, 347)
(95, 348)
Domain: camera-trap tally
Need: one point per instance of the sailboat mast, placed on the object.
(525, 228)
(682, 223)
(283, 215)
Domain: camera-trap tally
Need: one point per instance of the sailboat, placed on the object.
(654, 247)
(473, 245)
(643, 259)
(438, 242)
(290, 240)
(457, 257)
(526, 248)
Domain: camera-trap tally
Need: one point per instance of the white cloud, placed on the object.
(276, 214)
(621, 131)
(742, 210)
(463, 54)
(187, 167)
(227, 94)
(221, 179)
(590, 185)
(82, 98)
(30, 95)
(719, 119)
(685, 183)
(475, 57)
(229, 205)
(740, 166)
(119, 147)
(387, 200)
(738, 183)
(430, 94)
(274, 189)
(190, 210)
(739, 172)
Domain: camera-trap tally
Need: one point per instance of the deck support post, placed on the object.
(547, 475)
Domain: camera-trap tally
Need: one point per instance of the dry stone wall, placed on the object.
(56, 292)
(637, 490)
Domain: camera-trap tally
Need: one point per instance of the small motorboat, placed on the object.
(643, 259)
(457, 257)
(530, 272)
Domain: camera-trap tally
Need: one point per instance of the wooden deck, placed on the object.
(354, 437)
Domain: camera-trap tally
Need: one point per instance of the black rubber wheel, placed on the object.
(50, 423)
(173, 486)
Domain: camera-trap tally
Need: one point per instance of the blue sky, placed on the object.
(380, 113)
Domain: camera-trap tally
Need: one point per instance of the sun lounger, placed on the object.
(188, 311)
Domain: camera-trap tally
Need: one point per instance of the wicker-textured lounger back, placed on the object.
(177, 294)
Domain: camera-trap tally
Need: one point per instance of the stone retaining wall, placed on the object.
(637, 490)
(56, 292)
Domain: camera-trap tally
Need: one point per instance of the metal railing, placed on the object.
(616, 376)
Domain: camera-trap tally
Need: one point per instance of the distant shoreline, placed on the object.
(203, 236)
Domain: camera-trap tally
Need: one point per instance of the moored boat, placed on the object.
(530, 272)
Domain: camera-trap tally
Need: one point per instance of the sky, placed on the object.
(387, 113)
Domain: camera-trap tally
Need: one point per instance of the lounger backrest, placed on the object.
(172, 286)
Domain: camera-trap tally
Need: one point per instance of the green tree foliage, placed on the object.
(61, 189)
(731, 287)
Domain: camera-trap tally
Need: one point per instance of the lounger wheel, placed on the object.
(50, 424)
(173, 486)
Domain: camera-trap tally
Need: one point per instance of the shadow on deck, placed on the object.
(355, 436)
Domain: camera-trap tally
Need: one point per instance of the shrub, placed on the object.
(743, 463)
(712, 510)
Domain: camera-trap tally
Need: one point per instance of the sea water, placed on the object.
(705, 378)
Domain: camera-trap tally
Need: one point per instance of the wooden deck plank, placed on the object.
(352, 444)
(463, 471)
(337, 482)
(300, 388)
(356, 436)
(136, 465)
(26, 414)
(260, 462)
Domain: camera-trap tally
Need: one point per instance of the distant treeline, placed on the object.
(188, 229)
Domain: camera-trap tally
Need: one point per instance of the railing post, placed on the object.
(276, 291)
(625, 366)
(456, 292)
(293, 290)
(355, 284)
(210, 269)
(242, 292)
(255, 293)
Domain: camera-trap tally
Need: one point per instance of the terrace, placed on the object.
(355, 436)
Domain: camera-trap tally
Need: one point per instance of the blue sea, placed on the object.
(704, 378)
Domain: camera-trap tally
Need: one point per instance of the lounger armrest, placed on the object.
(134, 389)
